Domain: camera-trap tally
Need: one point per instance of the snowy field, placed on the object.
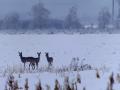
(101, 51)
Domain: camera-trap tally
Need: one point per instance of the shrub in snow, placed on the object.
(97, 74)
(111, 82)
(15, 85)
(48, 87)
(10, 81)
(38, 86)
(118, 78)
(109, 86)
(57, 85)
(78, 78)
(74, 64)
(72, 86)
(84, 88)
(26, 86)
(111, 79)
(66, 84)
(75, 86)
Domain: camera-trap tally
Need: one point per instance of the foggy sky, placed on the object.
(59, 8)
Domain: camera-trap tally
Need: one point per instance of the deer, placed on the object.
(49, 59)
(36, 60)
(31, 60)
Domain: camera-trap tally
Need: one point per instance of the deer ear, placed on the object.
(38, 52)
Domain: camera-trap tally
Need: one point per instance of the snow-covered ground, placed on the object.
(99, 50)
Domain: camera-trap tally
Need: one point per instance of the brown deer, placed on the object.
(35, 61)
(31, 60)
(49, 59)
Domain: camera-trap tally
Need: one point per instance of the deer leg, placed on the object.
(37, 65)
(24, 66)
(33, 66)
(29, 65)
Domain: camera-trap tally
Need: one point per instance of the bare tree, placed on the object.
(118, 1)
(11, 21)
(40, 15)
(72, 20)
(26, 86)
(104, 18)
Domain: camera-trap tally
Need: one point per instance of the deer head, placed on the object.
(46, 53)
(38, 53)
(20, 54)
(21, 57)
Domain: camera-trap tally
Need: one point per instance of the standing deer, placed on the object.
(49, 59)
(36, 60)
(31, 60)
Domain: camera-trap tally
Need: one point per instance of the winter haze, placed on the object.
(59, 45)
(87, 9)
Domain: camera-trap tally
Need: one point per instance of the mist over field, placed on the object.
(59, 44)
(59, 16)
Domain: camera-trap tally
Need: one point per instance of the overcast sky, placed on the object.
(59, 8)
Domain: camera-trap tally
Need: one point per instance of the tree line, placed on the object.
(40, 19)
